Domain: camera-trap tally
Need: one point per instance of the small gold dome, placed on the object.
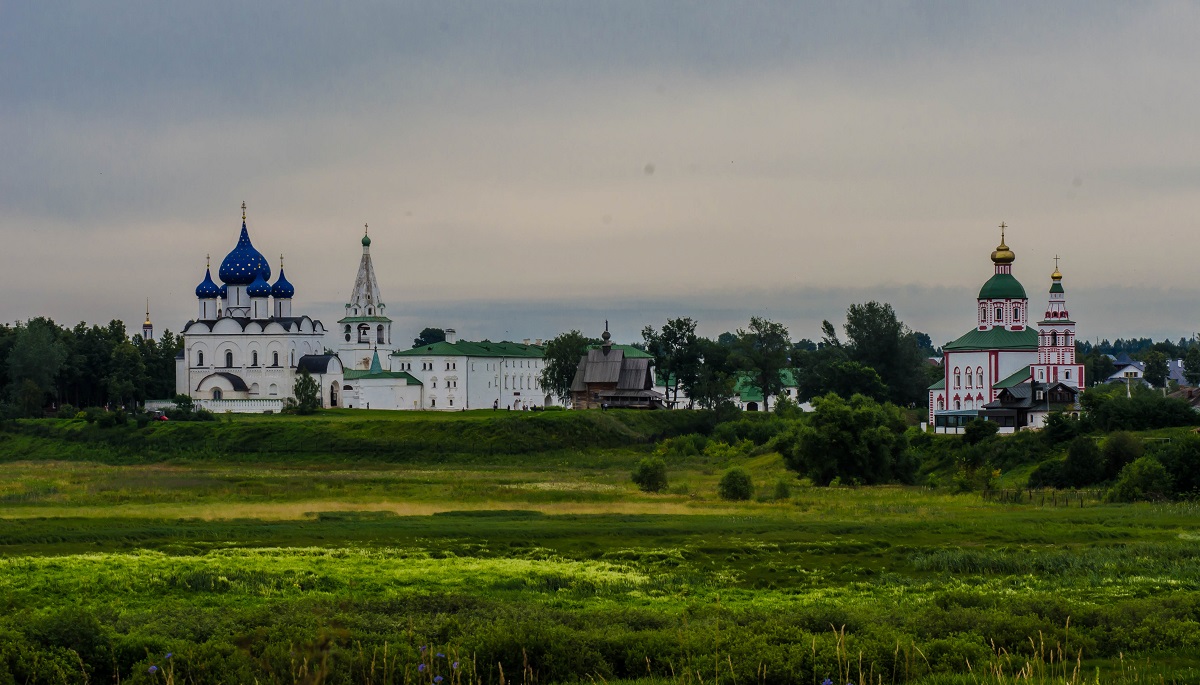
(1003, 255)
(1056, 275)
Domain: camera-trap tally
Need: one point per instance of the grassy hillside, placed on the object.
(347, 436)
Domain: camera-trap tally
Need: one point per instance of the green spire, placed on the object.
(376, 367)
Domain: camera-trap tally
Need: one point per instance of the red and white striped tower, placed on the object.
(1056, 340)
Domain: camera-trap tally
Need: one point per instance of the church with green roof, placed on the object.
(1004, 369)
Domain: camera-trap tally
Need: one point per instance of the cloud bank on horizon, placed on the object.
(528, 166)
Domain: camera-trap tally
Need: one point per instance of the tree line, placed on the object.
(45, 365)
(876, 356)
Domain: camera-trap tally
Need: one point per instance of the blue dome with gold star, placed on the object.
(244, 263)
(208, 290)
(282, 288)
(259, 287)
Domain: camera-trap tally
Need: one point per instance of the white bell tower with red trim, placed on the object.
(1056, 340)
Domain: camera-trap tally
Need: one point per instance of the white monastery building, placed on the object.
(245, 348)
(1004, 370)
(452, 375)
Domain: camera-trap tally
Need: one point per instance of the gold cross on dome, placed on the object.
(1002, 227)
(1056, 262)
(364, 229)
(243, 210)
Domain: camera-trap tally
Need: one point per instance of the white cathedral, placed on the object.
(245, 350)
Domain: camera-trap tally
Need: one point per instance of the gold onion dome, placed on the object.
(1056, 276)
(1003, 255)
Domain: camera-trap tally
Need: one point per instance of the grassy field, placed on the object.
(554, 568)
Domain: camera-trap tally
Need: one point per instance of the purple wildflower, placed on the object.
(170, 654)
(827, 681)
(441, 656)
(420, 667)
(454, 665)
(152, 670)
(423, 648)
(437, 679)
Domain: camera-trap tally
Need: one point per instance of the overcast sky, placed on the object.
(532, 167)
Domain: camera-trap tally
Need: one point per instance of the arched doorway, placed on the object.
(333, 395)
(752, 406)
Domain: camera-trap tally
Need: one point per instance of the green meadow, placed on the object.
(503, 548)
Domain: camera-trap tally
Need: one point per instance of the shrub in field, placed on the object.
(1084, 465)
(851, 439)
(979, 430)
(690, 445)
(735, 485)
(783, 489)
(1181, 458)
(1119, 449)
(651, 475)
(1144, 479)
(1048, 474)
(66, 411)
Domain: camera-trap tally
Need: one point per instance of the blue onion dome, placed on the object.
(259, 287)
(282, 288)
(244, 262)
(224, 292)
(207, 289)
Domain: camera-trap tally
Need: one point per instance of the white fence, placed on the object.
(221, 406)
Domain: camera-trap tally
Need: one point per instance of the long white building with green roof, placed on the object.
(1004, 369)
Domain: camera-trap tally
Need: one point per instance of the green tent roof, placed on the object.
(1056, 287)
(365, 319)
(940, 385)
(1002, 287)
(1015, 379)
(464, 348)
(355, 375)
(996, 338)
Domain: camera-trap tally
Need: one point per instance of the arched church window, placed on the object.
(970, 376)
(379, 334)
(1067, 374)
(228, 357)
(216, 393)
(200, 358)
(370, 311)
(1016, 313)
(957, 377)
(957, 405)
(999, 313)
(364, 333)
(292, 358)
(941, 404)
(979, 376)
(274, 359)
(1053, 339)
(254, 358)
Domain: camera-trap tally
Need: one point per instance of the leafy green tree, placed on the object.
(307, 393)
(34, 362)
(762, 351)
(1060, 428)
(736, 485)
(849, 439)
(826, 371)
(1191, 366)
(561, 359)
(1156, 369)
(878, 339)
(715, 378)
(1143, 479)
(676, 354)
(1096, 368)
(1084, 465)
(651, 475)
(429, 336)
(127, 374)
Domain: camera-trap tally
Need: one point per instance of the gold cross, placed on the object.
(364, 229)
(1002, 227)
(243, 210)
(208, 261)
(1056, 262)
(281, 261)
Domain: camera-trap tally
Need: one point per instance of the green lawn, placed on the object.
(557, 569)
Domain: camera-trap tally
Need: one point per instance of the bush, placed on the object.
(1083, 465)
(690, 445)
(66, 411)
(979, 430)
(735, 485)
(1144, 479)
(1119, 450)
(856, 439)
(783, 489)
(651, 475)
(1048, 475)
